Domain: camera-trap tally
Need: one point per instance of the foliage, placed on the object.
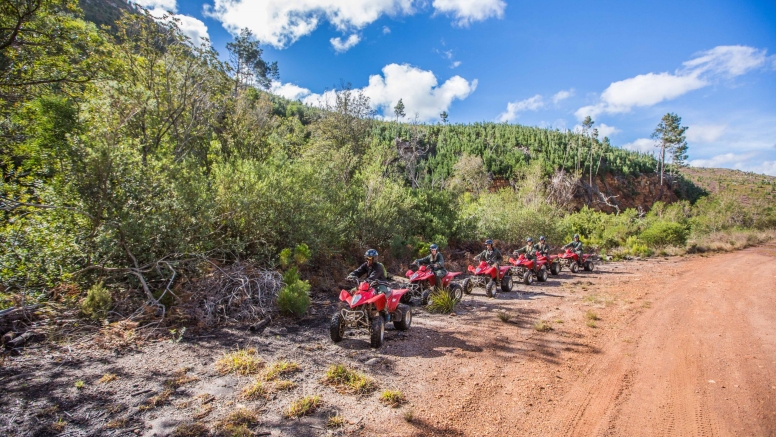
(664, 233)
(97, 303)
(241, 362)
(441, 301)
(304, 406)
(294, 297)
(392, 398)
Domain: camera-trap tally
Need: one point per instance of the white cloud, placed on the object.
(455, 64)
(419, 90)
(705, 133)
(193, 28)
(725, 160)
(644, 145)
(343, 46)
(515, 108)
(605, 130)
(652, 88)
(766, 167)
(467, 11)
(562, 95)
(167, 5)
(386, 30)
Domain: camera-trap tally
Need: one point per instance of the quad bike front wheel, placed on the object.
(542, 275)
(574, 267)
(491, 289)
(527, 277)
(506, 283)
(377, 332)
(406, 318)
(555, 268)
(589, 266)
(456, 292)
(467, 286)
(337, 328)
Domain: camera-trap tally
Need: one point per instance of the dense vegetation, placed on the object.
(128, 150)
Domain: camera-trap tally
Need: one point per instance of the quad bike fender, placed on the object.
(378, 301)
(409, 273)
(503, 270)
(395, 299)
(345, 296)
(448, 278)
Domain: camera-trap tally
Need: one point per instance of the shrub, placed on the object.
(663, 233)
(637, 247)
(293, 297)
(97, 303)
(442, 302)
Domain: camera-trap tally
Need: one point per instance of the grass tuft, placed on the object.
(279, 368)
(504, 316)
(255, 390)
(646, 304)
(80, 384)
(304, 406)
(392, 398)
(409, 415)
(241, 362)
(542, 326)
(591, 315)
(442, 302)
(237, 424)
(335, 422)
(349, 380)
(591, 324)
(106, 378)
(285, 385)
(190, 430)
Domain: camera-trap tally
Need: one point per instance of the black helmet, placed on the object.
(371, 253)
(489, 241)
(529, 239)
(541, 238)
(433, 247)
(576, 235)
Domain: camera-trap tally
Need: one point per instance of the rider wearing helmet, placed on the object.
(543, 248)
(373, 270)
(491, 255)
(575, 245)
(529, 249)
(436, 261)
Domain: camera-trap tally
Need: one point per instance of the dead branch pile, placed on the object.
(239, 292)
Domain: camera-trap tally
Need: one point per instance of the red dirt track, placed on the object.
(683, 347)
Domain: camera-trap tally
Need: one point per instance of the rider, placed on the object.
(575, 246)
(491, 255)
(529, 249)
(437, 263)
(373, 270)
(543, 248)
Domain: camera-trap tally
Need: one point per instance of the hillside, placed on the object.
(746, 186)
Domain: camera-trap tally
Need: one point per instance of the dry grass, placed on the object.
(729, 241)
(285, 385)
(241, 362)
(180, 378)
(591, 324)
(409, 415)
(119, 423)
(504, 316)
(392, 398)
(237, 424)
(106, 378)
(255, 390)
(190, 430)
(542, 326)
(335, 422)
(348, 380)
(279, 368)
(303, 407)
(58, 426)
(646, 304)
(591, 315)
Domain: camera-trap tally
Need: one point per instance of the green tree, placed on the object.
(399, 110)
(670, 139)
(443, 117)
(246, 62)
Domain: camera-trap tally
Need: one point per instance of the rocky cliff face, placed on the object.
(610, 192)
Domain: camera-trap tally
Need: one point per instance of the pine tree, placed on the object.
(670, 138)
(399, 110)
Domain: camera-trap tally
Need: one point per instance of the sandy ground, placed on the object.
(678, 347)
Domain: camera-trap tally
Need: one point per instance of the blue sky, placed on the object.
(535, 63)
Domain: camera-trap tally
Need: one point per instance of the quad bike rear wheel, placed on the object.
(337, 328)
(456, 292)
(542, 275)
(527, 277)
(425, 296)
(506, 283)
(574, 267)
(468, 286)
(377, 332)
(491, 289)
(555, 268)
(406, 318)
(589, 266)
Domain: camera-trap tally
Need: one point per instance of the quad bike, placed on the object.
(554, 262)
(528, 270)
(571, 261)
(368, 309)
(423, 281)
(485, 275)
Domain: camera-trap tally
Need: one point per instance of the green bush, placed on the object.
(97, 303)
(663, 233)
(637, 247)
(294, 297)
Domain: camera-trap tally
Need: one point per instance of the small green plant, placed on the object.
(392, 398)
(504, 316)
(279, 368)
(302, 407)
(97, 303)
(442, 302)
(177, 335)
(348, 380)
(591, 315)
(80, 384)
(241, 362)
(335, 422)
(255, 390)
(409, 415)
(542, 326)
(294, 297)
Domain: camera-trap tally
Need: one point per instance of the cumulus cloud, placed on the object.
(652, 88)
(467, 11)
(724, 160)
(455, 64)
(167, 5)
(515, 108)
(643, 145)
(165, 10)
(705, 133)
(562, 95)
(605, 130)
(343, 46)
(386, 30)
(419, 90)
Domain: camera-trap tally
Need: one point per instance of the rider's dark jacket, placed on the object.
(436, 263)
(543, 249)
(490, 256)
(375, 272)
(576, 246)
(529, 251)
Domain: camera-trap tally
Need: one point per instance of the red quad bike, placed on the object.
(525, 269)
(367, 309)
(571, 261)
(554, 263)
(423, 281)
(484, 275)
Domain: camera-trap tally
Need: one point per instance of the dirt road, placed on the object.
(685, 347)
